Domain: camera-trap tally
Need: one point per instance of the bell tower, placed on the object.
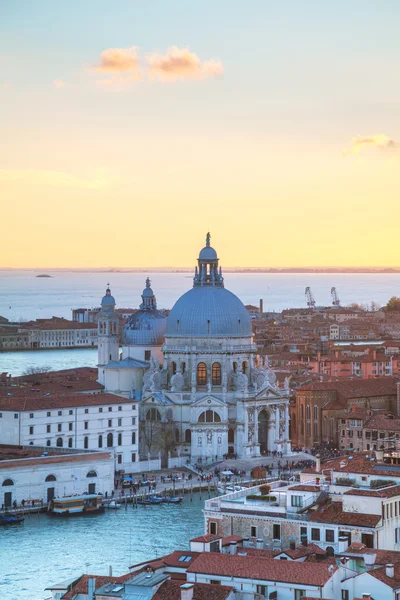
(107, 332)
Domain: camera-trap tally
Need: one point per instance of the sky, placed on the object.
(128, 129)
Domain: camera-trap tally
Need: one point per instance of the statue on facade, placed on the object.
(209, 387)
(242, 382)
(177, 382)
(209, 437)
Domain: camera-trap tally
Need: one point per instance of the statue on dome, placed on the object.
(208, 238)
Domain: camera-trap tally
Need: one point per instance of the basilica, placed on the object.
(196, 371)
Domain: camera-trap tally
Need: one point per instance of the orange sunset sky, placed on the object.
(129, 129)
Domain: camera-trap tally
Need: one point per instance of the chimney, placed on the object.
(304, 539)
(259, 544)
(366, 596)
(292, 543)
(390, 571)
(91, 588)
(187, 590)
(245, 542)
(343, 544)
(318, 464)
(261, 306)
(369, 560)
(110, 571)
(232, 548)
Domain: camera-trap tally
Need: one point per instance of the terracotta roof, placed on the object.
(231, 538)
(56, 323)
(392, 582)
(79, 379)
(357, 388)
(265, 569)
(383, 423)
(171, 590)
(382, 557)
(39, 401)
(301, 551)
(81, 587)
(358, 464)
(172, 560)
(305, 488)
(388, 492)
(333, 513)
(205, 539)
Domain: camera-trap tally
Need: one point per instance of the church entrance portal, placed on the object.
(263, 423)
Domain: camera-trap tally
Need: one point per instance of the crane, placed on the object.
(335, 297)
(310, 298)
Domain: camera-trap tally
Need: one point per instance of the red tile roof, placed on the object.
(357, 388)
(388, 492)
(265, 569)
(231, 538)
(171, 590)
(81, 587)
(380, 574)
(305, 488)
(333, 513)
(172, 560)
(205, 539)
(382, 557)
(39, 401)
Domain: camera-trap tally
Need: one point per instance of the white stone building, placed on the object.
(197, 370)
(39, 474)
(85, 421)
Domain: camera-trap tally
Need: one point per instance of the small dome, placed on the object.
(108, 300)
(208, 311)
(145, 328)
(148, 292)
(208, 253)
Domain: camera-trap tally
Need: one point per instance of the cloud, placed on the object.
(180, 63)
(378, 142)
(119, 66)
(59, 83)
(118, 60)
(53, 178)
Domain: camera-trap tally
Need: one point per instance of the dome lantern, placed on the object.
(207, 272)
(148, 298)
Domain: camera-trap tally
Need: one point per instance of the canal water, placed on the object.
(46, 550)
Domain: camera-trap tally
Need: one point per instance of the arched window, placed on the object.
(244, 366)
(231, 436)
(48, 443)
(133, 438)
(209, 416)
(51, 478)
(315, 412)
(92, 473)
(234, 367)
(109, 440)
(59, 443)
(86, 443)
(7, 482)
(201, 374)
(183, 367)
(153, 415)
(188, 436)
(177, 435)
(100, 441)
(173, 368)
(216, 374)
(31, 443)
(120, 439)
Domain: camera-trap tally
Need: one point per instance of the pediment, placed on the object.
(157, 398)
(268, 393)
(209, 400)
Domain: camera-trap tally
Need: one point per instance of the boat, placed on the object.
(228, 489)
(149, 500)
(172, 499)
(10, 520)
(113, 505)
(76, 506)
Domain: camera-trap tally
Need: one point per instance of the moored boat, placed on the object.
(10, 520)
(172, 499)
(76, 506)
(149, 500)
(113, 505)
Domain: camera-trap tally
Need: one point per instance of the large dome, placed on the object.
(208, 311)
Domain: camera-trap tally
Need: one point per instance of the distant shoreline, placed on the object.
(265, 270)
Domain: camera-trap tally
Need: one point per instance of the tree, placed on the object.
(37, 370)
(393, 304)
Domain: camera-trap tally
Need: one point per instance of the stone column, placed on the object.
(276, 422)
(287, 422)
(255, 440)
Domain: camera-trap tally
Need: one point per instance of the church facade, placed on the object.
(203, 391)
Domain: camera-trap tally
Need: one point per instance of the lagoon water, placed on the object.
(45, 550)
(23, 296)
